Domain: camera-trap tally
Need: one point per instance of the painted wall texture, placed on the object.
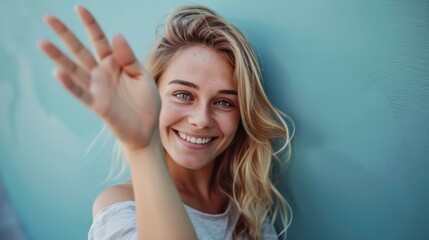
(354, 75)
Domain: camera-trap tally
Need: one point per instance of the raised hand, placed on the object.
(116, 86)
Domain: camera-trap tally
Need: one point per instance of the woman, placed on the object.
(200, 164)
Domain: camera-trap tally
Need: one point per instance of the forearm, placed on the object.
(160, 211)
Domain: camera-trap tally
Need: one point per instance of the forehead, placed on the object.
(200, 65)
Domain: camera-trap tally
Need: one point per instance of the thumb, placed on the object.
(125, 57)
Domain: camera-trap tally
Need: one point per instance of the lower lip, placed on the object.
(192, 145)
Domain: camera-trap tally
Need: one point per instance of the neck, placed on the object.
(195, 181)
(197, 188)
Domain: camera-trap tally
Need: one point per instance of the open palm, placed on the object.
(116, 87)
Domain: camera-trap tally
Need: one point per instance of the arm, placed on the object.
(123, 94)
(159, 208)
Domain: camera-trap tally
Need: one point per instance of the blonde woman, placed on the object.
(201, 161)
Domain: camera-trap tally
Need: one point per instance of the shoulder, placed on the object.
(268, 230)
(117, 193)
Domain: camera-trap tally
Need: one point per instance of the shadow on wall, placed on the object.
(9, 226)
(358, 169)
(277, 86)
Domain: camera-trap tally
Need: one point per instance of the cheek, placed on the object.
(230, 124)
(165, 115)
(169, 114)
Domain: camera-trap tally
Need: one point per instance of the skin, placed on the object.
(199, 99)
(119, 90)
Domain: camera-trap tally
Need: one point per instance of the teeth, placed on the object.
(194, 140)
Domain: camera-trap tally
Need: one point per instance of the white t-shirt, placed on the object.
(118, 222)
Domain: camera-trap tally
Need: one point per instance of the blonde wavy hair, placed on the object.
(244, 170)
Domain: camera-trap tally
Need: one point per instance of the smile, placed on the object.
(194, 140)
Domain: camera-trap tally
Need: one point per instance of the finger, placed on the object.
(80, 75)
(82, 54)
(96, 34)
(125, 57)
(72, 87)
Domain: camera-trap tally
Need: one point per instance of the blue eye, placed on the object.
(224, 103)
(183, 96)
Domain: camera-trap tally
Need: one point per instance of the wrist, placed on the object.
(154, 150)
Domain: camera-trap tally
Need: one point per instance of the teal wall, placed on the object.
(354, 75)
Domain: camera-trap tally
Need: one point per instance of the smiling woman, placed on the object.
(200, 164)
(198, 108)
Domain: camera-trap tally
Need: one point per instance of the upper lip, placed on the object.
(195, 134)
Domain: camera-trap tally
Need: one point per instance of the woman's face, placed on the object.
(200, 109)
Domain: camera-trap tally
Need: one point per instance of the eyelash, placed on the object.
(225, 103)
(184, 96)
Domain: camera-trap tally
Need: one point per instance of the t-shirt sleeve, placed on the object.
(118, 221)
(269, 232)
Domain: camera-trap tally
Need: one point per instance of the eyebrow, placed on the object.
(186, 83)
(192, 85)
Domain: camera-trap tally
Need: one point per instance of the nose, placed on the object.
(200, 117)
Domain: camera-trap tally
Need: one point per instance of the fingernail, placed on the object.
(54, 72)
(76, 7)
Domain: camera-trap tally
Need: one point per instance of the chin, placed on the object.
(191, 163)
